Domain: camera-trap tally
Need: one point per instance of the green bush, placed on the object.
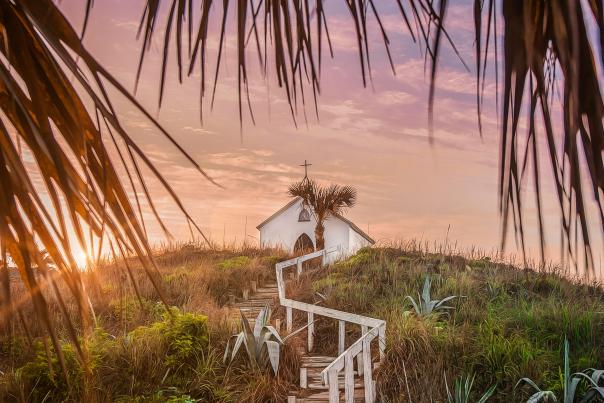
(236, 262)
(184, 335)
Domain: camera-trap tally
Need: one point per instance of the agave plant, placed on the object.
(463, 389)
(262, 344)
(571, 382)
(425, 305)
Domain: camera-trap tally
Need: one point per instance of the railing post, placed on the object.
(360, 366)
(382, 340)
(288, 319)
(334, 392)
(299, 267)
(303, 378)
(367, 372)
(349, 378)
(311, 331)
(323, 257)
(341, 336)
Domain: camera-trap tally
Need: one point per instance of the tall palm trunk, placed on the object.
(319, 235)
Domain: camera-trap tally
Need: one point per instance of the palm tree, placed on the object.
(323, 202)
(57, 112)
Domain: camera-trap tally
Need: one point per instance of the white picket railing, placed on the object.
(360, 350)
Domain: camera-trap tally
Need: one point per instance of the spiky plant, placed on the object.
(262, 343)
(323, 202)
(571, 382)
(48, 79)
(425, 305)
(462, 390)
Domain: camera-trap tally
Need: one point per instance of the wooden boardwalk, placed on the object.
(345, 381)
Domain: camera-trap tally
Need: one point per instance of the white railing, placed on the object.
(360, 350)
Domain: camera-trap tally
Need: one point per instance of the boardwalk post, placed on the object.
(367, 377)
(334, 392)
(360, 365)
(349, 378)
(278, 325)
(311, 331)
(382, 341)
(288, 319)
(299, 267)
(303, 378)
(341, 336)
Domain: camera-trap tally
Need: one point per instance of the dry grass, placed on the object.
(192, 278)
(509, 324)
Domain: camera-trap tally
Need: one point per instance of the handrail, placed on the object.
(360, 349)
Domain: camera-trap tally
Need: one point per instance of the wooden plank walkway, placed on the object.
(312, 388)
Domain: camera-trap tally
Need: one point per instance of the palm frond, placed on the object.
(57, 113)
(539, 39)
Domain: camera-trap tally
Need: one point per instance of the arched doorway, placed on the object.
(303, 244)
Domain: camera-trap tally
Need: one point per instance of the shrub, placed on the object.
(185, 335)
(236, 262)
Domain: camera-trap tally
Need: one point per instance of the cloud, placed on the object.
(199, 130)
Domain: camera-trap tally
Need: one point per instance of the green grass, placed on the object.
(509, 324)
(506, 324)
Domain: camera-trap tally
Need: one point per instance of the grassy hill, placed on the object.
(506, 324)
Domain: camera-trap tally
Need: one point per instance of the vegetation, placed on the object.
(142, 352)
(262, 344)
(511, 325)
(462, 391)
(571, 384)
(323, 202)
(56, 107)
(426, 306)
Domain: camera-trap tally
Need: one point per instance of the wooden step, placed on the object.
(255, 303)
(268, 290)
(316, 361)
(323, 396)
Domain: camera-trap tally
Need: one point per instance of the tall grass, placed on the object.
(510, 323)
(135, 352)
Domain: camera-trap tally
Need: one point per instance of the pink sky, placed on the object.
(374, 139)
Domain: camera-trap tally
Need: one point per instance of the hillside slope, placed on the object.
(505, 324)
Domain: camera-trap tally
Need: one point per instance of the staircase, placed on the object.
(349, 375)
(250, 306)
(323, 378)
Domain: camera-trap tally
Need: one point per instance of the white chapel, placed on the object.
(293, 228)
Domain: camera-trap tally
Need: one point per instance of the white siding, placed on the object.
(356, 241)
(284, 229)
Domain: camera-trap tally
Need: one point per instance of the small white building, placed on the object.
(293, 229)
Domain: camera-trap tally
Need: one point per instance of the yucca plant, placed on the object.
(462, 390)
(54, 95)
(425, 305)
(262, 344)
(571, 382)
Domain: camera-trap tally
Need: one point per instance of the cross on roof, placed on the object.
(305, 165)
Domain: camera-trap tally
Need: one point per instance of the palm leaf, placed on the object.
(538, 39)
(56, 112)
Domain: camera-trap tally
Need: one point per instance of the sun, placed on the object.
(81, 258)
